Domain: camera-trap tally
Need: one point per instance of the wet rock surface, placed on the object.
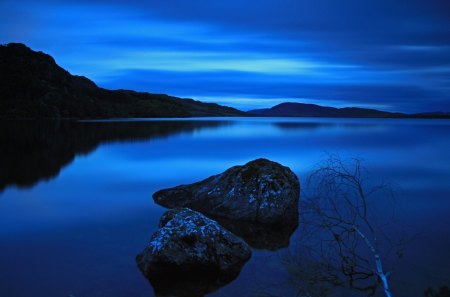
(260, 191)
(189, 243)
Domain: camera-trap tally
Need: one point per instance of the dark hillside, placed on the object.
(32, 85)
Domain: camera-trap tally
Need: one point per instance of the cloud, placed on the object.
(373, 53)
(247, 90)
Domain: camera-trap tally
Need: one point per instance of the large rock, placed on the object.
(260, 191)
(187, 242)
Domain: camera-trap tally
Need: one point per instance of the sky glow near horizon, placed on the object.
(250, 54)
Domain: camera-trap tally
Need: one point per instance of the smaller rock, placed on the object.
(188, 242)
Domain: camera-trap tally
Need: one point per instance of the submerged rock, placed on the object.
(259, 236)
(260, 191)
(188, 244)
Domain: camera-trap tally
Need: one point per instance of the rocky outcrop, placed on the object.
(188, 242)
(260, 191)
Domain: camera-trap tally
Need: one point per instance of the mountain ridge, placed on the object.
(33, 85)
(295, 109)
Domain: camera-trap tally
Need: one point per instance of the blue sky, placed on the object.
(386, 54)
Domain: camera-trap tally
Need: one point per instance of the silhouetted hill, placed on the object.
(312, 110)
(32, 85)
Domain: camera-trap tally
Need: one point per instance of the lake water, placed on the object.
(76, 197)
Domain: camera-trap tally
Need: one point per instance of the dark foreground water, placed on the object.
(76, 207)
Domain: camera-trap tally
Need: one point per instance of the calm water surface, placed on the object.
(76, 207)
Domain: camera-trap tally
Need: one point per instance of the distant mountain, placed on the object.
(289, 109)
(32, 85)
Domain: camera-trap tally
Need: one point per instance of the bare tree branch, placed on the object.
(343, 243)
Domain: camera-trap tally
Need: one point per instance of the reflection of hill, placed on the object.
(31, 151)
(296, 126)
(302, 125)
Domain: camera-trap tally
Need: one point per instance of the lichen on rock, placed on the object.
(260, 191)
(188, 241)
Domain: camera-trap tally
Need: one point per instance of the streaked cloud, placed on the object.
(373, 53)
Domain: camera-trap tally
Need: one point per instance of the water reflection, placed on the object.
(314, 126)
(302, 125)
(192, 284)
(259, 236)
(87, 224)
(31, 151)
